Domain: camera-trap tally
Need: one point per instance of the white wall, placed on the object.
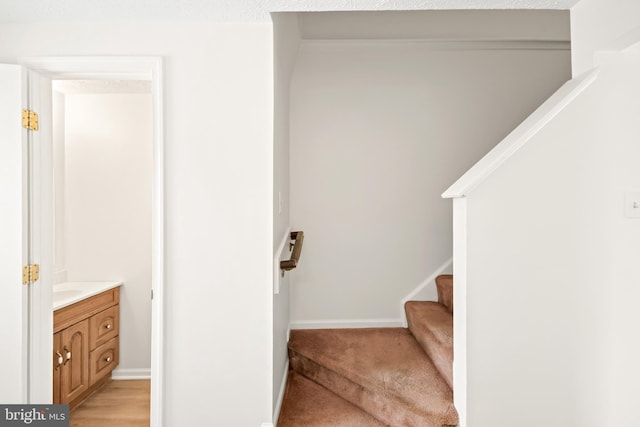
(11, 229)
(620, 132)
(608, 25)
(59, 269)
(218, 172)
(552, 269)
(600, 24)
(286, 40)
(534, 281)
(108, 165)
(378, 131)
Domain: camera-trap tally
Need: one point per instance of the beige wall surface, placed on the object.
(378, 131)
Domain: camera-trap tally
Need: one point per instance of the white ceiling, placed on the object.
(22, 11)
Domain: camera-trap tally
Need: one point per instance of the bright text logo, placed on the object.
(36, 415)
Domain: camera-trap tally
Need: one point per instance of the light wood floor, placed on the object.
(119, 403)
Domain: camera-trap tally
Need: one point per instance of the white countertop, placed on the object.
(68, 293)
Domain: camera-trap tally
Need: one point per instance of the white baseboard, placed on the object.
(347, 323)
(283, 386)
(266, 425)
(426, 291)
(131, 374)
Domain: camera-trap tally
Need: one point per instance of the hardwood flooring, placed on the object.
(124, 403)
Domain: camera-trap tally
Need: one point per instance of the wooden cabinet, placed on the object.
(86, 346)
(74, 372)
(58, 360)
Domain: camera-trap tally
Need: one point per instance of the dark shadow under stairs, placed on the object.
(399, 377)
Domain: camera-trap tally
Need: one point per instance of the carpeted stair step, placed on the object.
(431, 324)
(444, 284)
(308, 404)
(383, 371)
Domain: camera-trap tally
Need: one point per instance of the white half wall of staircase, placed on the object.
(619, 131)
(379, 130)
(551, 261)
(533, 278)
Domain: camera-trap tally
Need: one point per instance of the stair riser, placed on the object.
(387, 409)
(440, 356)
(431, 324)
(444, 285)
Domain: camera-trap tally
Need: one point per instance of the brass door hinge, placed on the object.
(30, 273)
(29, 120)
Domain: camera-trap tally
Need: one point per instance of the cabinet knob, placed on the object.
(108, 359)
(68, 355)
(108, 326)
(60, 359)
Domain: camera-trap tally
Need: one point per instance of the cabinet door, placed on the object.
(58, 360)
(75, 369)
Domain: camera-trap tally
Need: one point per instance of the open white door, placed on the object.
(40, 293)
(25, 195)
(12, 249)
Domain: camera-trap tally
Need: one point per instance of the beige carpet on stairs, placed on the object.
(432, 326)
(374, 377)
(307, 404)
(444, 285)
(383, 371)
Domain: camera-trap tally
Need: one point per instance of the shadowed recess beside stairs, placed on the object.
(375, 376)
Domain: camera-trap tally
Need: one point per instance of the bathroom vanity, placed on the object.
(85, 340)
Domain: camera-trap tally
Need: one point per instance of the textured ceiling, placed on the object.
(230, 10)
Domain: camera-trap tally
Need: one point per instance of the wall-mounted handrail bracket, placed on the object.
(296, 249)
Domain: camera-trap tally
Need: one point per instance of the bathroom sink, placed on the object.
(62, 297)
(64, 294)
(68, 293)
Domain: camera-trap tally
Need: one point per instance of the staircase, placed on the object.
(375, 377)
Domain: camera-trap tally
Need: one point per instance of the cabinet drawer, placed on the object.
(103, 360)
(103, 326)
(71, 314)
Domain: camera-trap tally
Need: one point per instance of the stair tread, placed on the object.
(308, 404)
(387, 363)
(431, 324)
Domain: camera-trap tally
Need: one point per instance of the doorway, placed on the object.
(109, 69)
(102, 175)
